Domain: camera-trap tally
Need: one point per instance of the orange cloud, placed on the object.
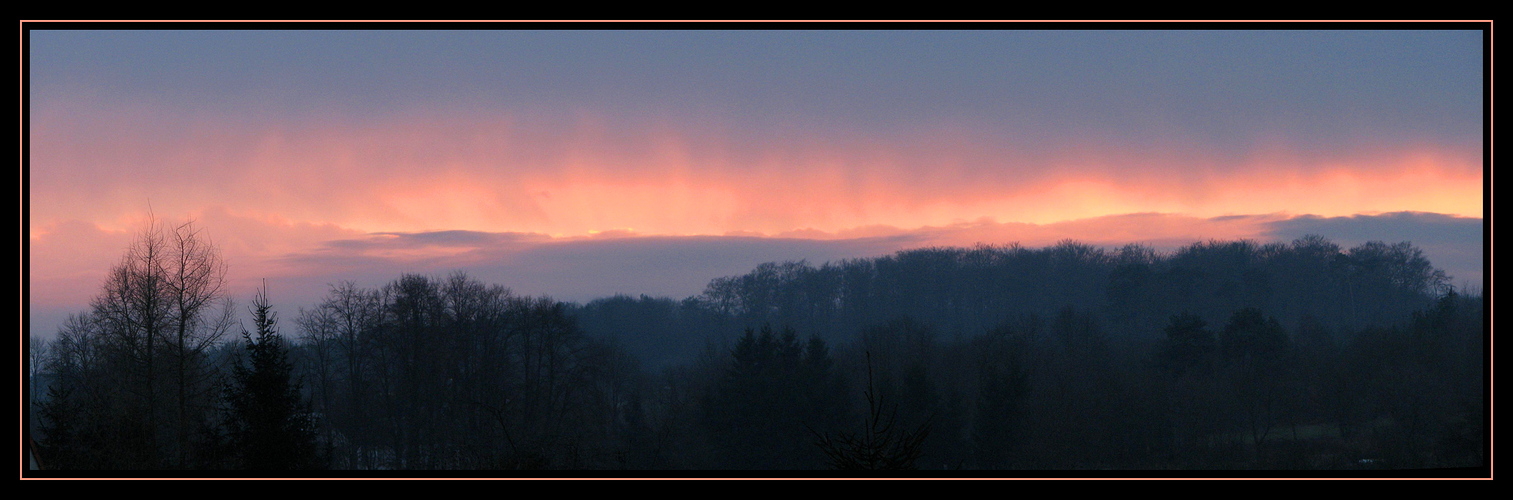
(419, 172)
(266, 189)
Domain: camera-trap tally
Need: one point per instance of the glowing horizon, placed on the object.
(309, 156)
(272, 190)
(463, 174)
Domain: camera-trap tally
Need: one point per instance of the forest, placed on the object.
(1220, 355)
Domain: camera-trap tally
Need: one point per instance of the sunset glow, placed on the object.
(286, 175)
(400, 177)
(856, 249)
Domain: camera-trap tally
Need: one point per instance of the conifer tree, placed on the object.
(268, 422)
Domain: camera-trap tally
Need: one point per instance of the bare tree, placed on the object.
(36, 353)
(354, 314)
(318, 330)
(157, 310)
(196, 279)
(134, 310)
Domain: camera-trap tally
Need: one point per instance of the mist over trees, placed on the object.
(1219, 355)
(1133, 289)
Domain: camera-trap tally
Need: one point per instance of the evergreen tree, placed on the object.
(269, 425)
(774, 391)
(60, 422)
(1003, 384)
(882, 444)
(1188, 348)
(1255, 350)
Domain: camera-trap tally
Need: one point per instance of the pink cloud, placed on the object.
(588, 174)
(279, 196)
(300, 260)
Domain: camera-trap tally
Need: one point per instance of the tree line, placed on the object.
(1225, 355)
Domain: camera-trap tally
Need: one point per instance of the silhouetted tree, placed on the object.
(771, 390)
(881, 444)
(134, 309)
(356, 314)
(196, 274)
(1254, 349)
(1189, 347)
(1002, 386)
(268, 422)
(146, 339)
(427, 373)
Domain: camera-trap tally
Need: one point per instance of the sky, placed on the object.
(582, 164)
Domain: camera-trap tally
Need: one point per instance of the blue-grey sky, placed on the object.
(555, 152)
(1222, 86)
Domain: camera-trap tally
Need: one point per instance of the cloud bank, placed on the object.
(582, 163)
(588, 267)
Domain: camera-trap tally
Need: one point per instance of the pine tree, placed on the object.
(269, 425)
(60, 422)
(1188, 348)
(881, 445)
